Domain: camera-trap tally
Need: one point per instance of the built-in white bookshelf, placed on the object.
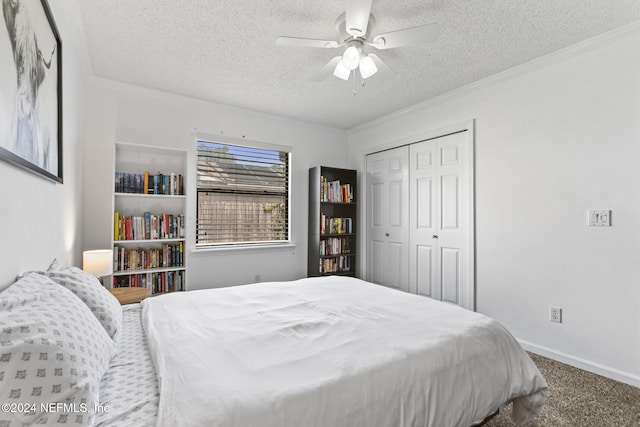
(149, 205)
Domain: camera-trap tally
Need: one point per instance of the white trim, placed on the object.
(596, 368)
(242, 248)
(142, 148)
(572, 51)
(424, 135)
(242, 142)
(130, 88)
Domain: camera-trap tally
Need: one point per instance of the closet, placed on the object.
(420, 218)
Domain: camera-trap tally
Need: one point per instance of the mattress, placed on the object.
(129, 389)
(332, 351)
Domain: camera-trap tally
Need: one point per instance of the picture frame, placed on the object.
(31, 98)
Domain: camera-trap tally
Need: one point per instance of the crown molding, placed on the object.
(150, 92)
(580, 48)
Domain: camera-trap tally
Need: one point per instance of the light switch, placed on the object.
(599, 218)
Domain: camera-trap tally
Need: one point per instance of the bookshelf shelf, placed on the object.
(149, 207)
(337, 203)
(337, 255)
(150, 196)
(332, 222)
(147, 270)
(146, 241)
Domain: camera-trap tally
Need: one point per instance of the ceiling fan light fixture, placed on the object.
(341, 71)
(367, 66)
(351, 58)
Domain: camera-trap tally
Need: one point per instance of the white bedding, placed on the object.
(332, 351)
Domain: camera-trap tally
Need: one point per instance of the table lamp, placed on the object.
(98, 262)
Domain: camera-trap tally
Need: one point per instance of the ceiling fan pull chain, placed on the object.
(355, 84)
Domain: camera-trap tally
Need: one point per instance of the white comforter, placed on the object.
(332, 352)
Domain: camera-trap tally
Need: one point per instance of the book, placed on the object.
(148, 226)
(116, 225)
(145, 188)
(145, 183)
(131, 259)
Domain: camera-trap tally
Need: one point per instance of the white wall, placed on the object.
(553, 138)
(124, 113)
(42, 219)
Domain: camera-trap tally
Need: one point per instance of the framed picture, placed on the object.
(31, 94)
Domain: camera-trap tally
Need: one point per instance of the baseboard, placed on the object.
(577, 362)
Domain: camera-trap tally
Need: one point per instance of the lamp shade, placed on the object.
(341, 71)
(351, 58)
(98, 262)
(367, 66)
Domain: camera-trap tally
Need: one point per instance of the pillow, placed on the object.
(52, 350)
(100, 301)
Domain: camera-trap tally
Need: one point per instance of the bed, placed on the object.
(332, 351)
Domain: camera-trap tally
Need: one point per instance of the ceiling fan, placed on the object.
(354, 33)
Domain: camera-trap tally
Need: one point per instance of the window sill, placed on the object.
(243, 248)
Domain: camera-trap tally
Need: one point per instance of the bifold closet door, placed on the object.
(388, 218)
(439, 246)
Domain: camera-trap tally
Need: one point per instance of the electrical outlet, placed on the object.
(555, 314)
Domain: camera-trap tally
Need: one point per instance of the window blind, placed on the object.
(242, 194)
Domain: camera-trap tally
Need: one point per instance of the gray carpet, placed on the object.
(580, 399)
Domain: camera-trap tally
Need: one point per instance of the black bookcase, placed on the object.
(332, 222)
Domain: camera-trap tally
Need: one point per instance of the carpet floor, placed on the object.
(579, 398)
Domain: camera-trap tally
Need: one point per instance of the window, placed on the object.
(242, 196)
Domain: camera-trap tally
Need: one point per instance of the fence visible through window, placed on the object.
(242, 195)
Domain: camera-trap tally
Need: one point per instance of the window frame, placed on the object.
(202, 248)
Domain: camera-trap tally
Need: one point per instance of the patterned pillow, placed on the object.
(53, 352)
(100, 301)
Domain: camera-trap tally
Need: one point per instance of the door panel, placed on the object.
(395, 204)
(396, 162)
(396, 266)
(377, 256)
(449, 155)
(450, 271)
(377, 200)
(450, 202)
(424, 255)
(455, 234)
(378, 166)
(424, 159)
(422, 219)
(424, 202)
(387, 228)
(439, 219)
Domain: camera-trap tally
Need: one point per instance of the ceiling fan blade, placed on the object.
(384, 72)
(327, 70)
(301, 42)
(357, 17)
(407, 37)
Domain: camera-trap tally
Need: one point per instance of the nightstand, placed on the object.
(130, 295)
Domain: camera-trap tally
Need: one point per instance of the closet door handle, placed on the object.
(435, 236)
(386, 234)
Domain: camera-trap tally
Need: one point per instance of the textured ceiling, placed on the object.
(224, 50)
